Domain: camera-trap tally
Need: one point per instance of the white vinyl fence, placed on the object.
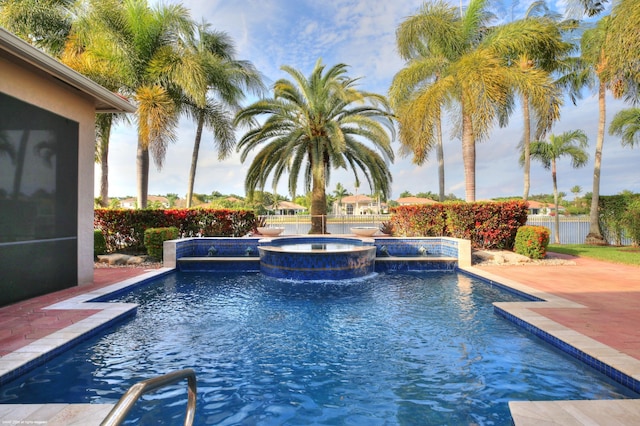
(573, 229)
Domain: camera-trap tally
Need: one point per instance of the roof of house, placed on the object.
(353, 199)
(19, 51)
(287, 205)
(538, 205)
(415, 200)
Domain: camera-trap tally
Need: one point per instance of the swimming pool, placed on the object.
(411, 348)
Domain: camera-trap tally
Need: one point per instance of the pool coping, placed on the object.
(596, 354)
(38, 352)
(615, 364)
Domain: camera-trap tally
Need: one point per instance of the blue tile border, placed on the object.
(409, 254)
(570, 350)
(522, 294)
(576, 353)
(105, 298)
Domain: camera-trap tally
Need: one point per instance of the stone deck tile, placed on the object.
(610, 294)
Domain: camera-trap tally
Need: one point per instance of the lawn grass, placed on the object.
(626, 255)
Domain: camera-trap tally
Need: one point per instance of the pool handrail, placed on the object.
(119, 412)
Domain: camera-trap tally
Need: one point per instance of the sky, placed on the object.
(361, 34)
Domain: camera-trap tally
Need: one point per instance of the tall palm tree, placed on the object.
(548, 59)
(570, 144)
(626, 124)
(476, 75)
(340, 192)
(146, 48)
(576, 190)
(318, 123)
(594, 57)
(427, 56)
(226, 78)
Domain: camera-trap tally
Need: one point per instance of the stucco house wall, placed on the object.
(33, 89)
(37, 79)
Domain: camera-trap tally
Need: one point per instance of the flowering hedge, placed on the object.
(486, 224)
(419, 220)
(124, 229)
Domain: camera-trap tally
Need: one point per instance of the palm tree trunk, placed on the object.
(194, 158)
(142, 170)
(104, 160)
(318, 203)
(526, 145)
(440, 156)
(554, 176)
(595, 235)
(468, 158)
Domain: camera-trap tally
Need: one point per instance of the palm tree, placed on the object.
(549, 60)
(340, 192)
(622, 45)
(45, 24)
(571, 144)
(594, 58)
(216, 106)
(426, 57)
(146, 48)
(626, 124)
(476, 75)
(319, 123)
(576, 190)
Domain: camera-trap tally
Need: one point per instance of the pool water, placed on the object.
(392, 349)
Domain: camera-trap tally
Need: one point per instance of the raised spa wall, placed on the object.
(225, 254)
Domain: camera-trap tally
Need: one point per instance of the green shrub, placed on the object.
(155, 237)
(99, 243)
(631, 222)
(532, 241)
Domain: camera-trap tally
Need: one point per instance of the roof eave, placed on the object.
(105, 100)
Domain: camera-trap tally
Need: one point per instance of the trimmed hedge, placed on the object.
(124, 229)
(99, 243)
(155, 237)
(489, 225)
(532, 241)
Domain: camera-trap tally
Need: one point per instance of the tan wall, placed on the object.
(60, 99)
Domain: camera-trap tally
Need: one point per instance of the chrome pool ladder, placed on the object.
(119, 412)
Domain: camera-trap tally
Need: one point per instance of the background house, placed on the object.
(360, 204)
(47, 139)
(152, 200)
(543, 209)
(286, 208)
